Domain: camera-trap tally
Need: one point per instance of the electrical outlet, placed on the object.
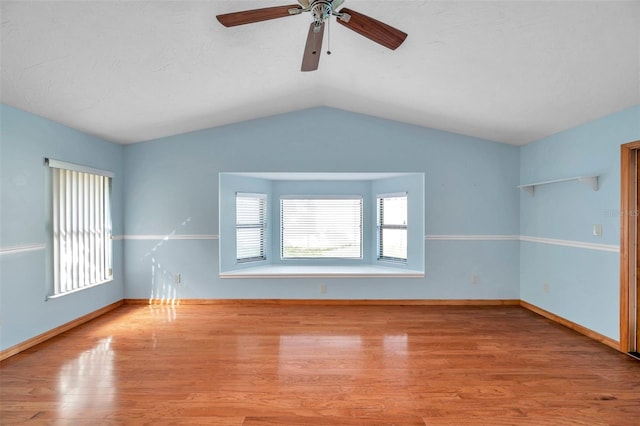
(474, 279)
(323, 288)
(546, 287)
(597, 230)
(176, 279)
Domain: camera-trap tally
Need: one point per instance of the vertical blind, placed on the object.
(392, 227)
(251, 227)
(321, 227)
(81, 224)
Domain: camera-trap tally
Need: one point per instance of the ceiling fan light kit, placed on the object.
(321, 10)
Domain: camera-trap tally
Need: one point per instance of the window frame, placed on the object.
(380, 227)
(81, 234)
(365, 184)
(262, 225)
(328, 197)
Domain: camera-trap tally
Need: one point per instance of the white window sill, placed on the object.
(286, 271)
(77, 290)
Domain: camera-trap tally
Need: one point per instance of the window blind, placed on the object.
(81, 224)
(392, 227)
(251, 227)
(327, 227)
(77, 167)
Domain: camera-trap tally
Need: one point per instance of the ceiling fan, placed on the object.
(321, 10)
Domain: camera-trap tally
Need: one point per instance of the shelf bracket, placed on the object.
(591, 181)
(531, 189)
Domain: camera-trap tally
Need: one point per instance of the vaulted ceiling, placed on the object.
(509, 71)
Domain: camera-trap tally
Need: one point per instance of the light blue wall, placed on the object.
(583, 283)
(25, 140)
(172, 187)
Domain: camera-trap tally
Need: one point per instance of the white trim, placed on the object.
(168, 237)
(22, 249)
(567, 243)
(392, 195)
(227, 275)
(77, 290)
(552, 241)
(251, 195)
(322, 271)
(473, 237)
(77, 167)
(320, 197)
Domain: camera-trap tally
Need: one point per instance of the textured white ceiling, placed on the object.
(510, 71)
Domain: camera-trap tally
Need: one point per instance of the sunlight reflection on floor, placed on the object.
(86, 382)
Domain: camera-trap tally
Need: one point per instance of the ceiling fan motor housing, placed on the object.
(321, 11)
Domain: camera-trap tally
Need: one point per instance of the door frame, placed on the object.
(629, 154)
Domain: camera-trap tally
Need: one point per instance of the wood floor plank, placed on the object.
(323, 421)
(310, 364)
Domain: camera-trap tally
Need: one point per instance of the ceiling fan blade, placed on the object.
(256, 15)
(313, 48)
(373, 29)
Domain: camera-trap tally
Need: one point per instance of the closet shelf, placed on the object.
(590, 181)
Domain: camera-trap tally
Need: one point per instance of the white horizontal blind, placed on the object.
(81, 223)
(321, 227)
(392, 227)
(251, 227)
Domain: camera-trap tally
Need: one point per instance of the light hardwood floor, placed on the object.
(321, 365)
